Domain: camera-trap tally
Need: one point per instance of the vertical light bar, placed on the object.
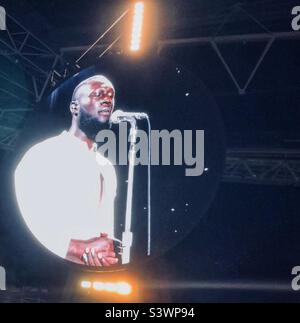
(2, 18)
(2, 278)
(137, 28)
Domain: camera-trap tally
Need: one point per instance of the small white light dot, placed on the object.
(175, 231)
(172, 210)
(187, 94)
(145, 208)
(186, 204)
(86, 284)
(206, 169)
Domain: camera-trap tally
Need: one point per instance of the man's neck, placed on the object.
(77, 132)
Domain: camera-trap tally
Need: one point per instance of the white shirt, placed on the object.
(66, 191)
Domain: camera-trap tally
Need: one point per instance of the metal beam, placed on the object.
(259, 37)
(27, 51)
(263, 166)
(214, 41)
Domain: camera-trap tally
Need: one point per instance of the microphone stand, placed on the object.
(127, 235)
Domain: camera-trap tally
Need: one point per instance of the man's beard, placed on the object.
(91, 125)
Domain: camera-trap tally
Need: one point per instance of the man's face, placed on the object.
(97, 100)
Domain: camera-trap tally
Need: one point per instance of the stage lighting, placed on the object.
(99, 286)
(86, 284)
(121, 288)
(2, 18)
(124, 288)
(137, 27)
(2, 278)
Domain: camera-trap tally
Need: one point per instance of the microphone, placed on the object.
(120, 116)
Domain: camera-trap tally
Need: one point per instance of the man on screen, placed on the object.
(66, 189)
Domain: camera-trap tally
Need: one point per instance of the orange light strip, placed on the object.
(121, 288)
(138, 20)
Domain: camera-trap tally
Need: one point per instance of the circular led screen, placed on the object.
(82, 181)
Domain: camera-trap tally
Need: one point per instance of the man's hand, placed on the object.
(100, 252)
(96, 252)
